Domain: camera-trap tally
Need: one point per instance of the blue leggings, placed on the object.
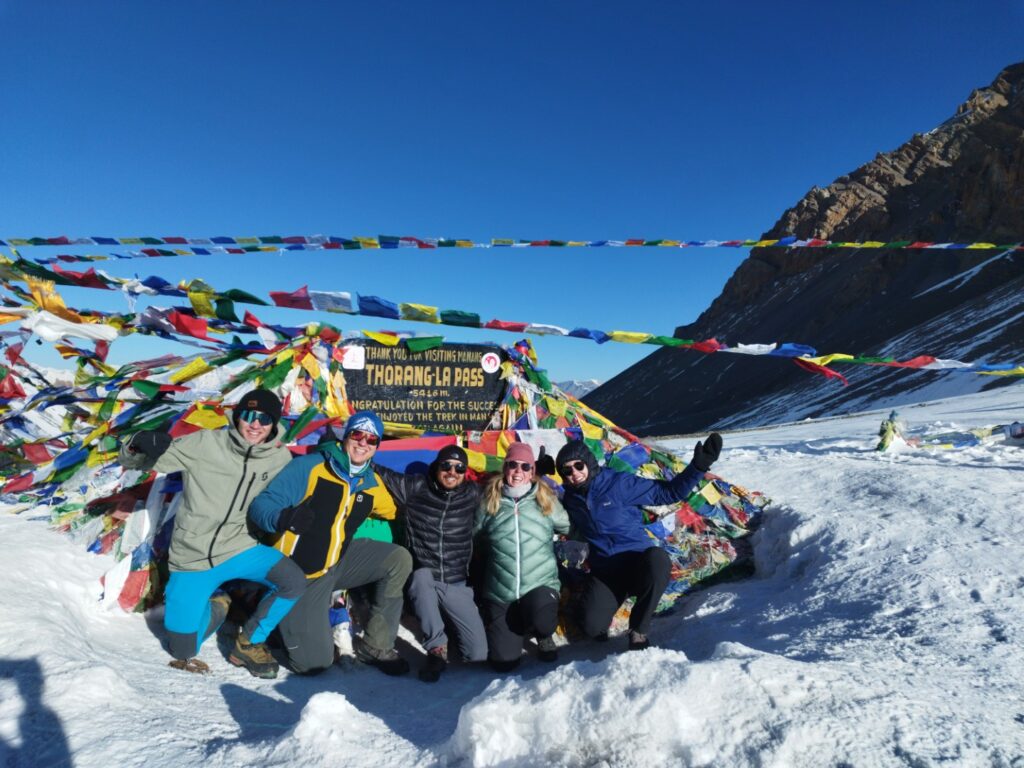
(187, 615)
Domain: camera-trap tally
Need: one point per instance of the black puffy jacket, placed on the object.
(438, 522)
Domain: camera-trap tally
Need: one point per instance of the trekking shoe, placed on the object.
(506, 665)
(638, 641)
(546, 649)
(189, 665)
(388, 662)
(437, 662)
(254, 657)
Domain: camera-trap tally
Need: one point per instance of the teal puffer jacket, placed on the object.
(517, 546)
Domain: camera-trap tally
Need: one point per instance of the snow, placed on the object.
(883, 628)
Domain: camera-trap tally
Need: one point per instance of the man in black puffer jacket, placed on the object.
(438, 509)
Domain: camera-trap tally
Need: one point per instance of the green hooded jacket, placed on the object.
(222, 473)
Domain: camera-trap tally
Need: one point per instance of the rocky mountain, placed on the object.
(961, 182)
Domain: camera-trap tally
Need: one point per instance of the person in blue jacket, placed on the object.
(605, 509)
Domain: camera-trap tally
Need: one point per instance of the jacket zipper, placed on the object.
(515, 517)
(444, 512)
(245, 466)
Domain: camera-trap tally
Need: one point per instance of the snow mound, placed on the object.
(330, 732)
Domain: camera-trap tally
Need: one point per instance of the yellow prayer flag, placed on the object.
(98, 432)
(629, 337)
(765, 243)
(826, 359)
(1018, 371)
(981, 246)
(577, 243)
(247, 240)
(311, 366)
(45, 295)
(477, 461)
(670, 243)
(872, 244)
(196, 368)
(368, 242)
(384, 338)
(202, 303)
(590, 431)
(555, 407)
(420, 312)
(9, 318)
(96, 458)
(206, 418)
(711, 493)
(463, 243)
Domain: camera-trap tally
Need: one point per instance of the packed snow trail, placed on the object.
(883, 628)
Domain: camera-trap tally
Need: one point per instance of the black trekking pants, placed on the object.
(508, 624)
(643, 575)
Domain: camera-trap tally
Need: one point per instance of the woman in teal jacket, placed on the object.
(515, 529)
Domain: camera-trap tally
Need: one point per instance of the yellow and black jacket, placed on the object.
(340, 502)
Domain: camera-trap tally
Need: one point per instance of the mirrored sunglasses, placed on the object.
(572, 466)
(358, 436)
(261, 418)
(523, 465)
(449, 466)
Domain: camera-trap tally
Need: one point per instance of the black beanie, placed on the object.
(577, 450)
(451, 453)
(262, 400)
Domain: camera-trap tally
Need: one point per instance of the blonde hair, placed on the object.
(546, 498)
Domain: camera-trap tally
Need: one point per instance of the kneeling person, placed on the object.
(314, 508)
(439, 509)
(211, 542)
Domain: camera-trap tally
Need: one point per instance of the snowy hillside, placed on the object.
(883, 627)
(578, 387)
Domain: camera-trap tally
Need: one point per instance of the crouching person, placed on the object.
(516, 523)
(605, 507)
(313, 508)
(439, 509)
(211, 542)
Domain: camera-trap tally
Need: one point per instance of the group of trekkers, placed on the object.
(251, 512)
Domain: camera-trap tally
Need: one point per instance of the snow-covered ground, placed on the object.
(884, 627)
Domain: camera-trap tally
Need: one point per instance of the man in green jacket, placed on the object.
(223, 470)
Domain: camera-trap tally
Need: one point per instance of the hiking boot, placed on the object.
(190, 665)
(506, 665)
(254, 657)
(437, 662)
(638, 641)
(546, 649)
(388, 662)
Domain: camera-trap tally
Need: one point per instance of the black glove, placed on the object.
(152, 444)
(545, 464)
(705, 454)
(296, 519)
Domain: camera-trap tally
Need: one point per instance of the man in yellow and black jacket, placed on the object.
(313, 508)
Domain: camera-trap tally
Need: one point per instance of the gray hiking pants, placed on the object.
(433, 601)
(306, 631)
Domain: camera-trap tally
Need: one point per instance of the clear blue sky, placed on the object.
(569, 120)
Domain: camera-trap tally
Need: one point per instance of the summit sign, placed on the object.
(452, 388)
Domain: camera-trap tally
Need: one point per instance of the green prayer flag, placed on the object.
(226, 310)
(301, 423)
(242, 297)
(423, 343)
(275, 377)
(458, 317)
(147, 389)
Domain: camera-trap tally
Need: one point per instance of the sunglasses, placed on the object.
(457, 466)
(525, 466)
(572, 466)
(263, 419)
(358, 436)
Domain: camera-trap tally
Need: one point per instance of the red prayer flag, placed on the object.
(87, 279)
(295, 300)
(807, 365)
(915, 362)
(19, 483)
(190, 326)
(36, 453)
(506, 325)
(708, 346)
(10, 388)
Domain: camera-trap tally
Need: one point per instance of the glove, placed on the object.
(151, 444)
(545, 464)
(705, 454)
(296, 519)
